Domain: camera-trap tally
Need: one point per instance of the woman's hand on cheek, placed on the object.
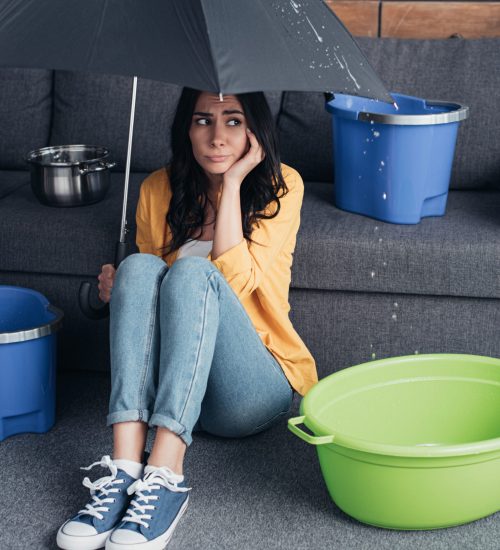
(239, 170)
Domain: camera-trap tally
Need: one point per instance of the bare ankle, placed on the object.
(168, 450)
(129, 440)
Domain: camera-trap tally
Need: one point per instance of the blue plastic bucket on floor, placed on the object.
(28, 325)
(393, 164)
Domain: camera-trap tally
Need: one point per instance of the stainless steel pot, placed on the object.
(70, 175)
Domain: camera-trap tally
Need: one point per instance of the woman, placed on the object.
(200, 337)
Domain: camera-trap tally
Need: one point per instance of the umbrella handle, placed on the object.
(102, 311)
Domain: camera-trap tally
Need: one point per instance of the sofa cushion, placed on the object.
(94, 109)
(454, 70)
(72, 241)
(10, 180)
(25, 114)
(453, 255)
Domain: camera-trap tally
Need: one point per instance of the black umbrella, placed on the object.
(222, 46)
(226, 46)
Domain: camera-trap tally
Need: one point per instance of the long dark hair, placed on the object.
(189, 182)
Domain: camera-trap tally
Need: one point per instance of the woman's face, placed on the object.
(218, 132)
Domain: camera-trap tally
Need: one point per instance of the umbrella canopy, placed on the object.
(222, 46)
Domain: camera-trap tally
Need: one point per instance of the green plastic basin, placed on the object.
(409, 442)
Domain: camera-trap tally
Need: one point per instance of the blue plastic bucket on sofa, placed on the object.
(28, 325)
(393, 164)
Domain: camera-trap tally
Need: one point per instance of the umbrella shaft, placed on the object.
(127, 168)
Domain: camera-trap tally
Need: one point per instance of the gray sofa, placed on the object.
(435, 288)
(436, 285)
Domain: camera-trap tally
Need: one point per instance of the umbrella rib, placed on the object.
(96, 34)
(182, 19)
(214, 63)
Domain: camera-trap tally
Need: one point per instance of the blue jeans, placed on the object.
(185, 354)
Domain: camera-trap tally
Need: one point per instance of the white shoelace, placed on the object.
(152, 480)
(101, 484)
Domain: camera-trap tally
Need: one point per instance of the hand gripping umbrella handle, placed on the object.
(88, 309)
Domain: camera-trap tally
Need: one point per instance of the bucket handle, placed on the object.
(312, 439)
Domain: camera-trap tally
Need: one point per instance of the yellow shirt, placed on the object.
(259, 275)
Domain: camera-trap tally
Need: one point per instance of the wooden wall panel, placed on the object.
(440, 19)
(359, 17)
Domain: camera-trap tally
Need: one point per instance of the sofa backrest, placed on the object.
(25, 114)
(456, 70)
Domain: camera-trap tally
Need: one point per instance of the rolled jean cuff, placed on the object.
(171, 424)
(127, 416)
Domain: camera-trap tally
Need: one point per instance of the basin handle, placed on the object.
(312, 439)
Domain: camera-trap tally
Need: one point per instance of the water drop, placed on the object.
(382, 163)
(376, 228)
(384, 196)
(364, 152)
(372, 274)
(380, 240)
(367, 139)
(376, 134)
(385, 264)
(372, 122)
(416, 352)
(394, 316)
(395, 304)
(374, 355)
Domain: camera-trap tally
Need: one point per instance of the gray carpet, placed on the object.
(261, 492)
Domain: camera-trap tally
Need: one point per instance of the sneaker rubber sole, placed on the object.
(72, 542)
(158, 543)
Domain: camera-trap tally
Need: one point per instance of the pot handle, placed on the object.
(312, 439)
(97, 168)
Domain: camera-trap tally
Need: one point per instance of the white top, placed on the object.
(195, 247)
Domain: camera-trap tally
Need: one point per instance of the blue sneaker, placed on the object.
(150, 526)
(90, 528)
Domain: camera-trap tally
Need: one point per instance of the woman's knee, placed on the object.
(138, 268)
(189, 270)
(139, 260)
(193, 264)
